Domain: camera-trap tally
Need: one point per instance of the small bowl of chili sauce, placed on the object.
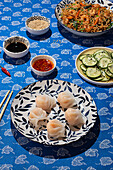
(16, 47)
(43, 65)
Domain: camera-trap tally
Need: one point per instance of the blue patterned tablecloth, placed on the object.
(93, 151)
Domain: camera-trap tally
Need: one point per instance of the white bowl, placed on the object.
(16, 39)
(35, 31)
(43, 73)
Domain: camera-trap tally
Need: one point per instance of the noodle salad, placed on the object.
(84, 17)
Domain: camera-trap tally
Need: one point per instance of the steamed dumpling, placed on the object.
(55, 129)
(45, 102)
(74, 117)
(36, 115)
(66, 100)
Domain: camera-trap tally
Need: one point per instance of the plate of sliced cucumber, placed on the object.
(95, 65)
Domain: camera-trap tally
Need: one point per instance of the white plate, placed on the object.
(80, 72)
(25, 100)
(62, 4)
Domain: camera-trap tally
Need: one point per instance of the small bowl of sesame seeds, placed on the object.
(37, 25)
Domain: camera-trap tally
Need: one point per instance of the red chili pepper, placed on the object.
(5, 71)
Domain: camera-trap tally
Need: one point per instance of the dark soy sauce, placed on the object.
(16, 47)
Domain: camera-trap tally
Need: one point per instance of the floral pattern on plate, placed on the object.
(24, 101)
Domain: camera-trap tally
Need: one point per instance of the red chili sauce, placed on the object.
(43, 65)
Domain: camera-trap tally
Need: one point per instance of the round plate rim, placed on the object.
(86, 78)
(45, 142)
(85, 34)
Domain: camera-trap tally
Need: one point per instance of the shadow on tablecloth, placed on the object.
(17, 61)
(102, 40)
(48, 77)
(58, 152)
(39, 37)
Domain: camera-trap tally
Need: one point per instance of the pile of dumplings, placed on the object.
(55, 128)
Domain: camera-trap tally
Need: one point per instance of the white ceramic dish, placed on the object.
(62, 4)
(80, 72)
(42, 73)
(24, 101)
(16, 39)
(34, 31)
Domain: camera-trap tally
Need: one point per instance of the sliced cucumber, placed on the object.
(98, 78)
(89, 61)
(105, 76)
(110, 67)
(103, 62)
(108, 73)
(112, 54)
(98, 66)
(98, 51)
(93, 72)
(98, 56)
(83, 55)
(82, 66)
(101, 51)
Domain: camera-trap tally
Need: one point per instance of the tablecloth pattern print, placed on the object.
(93, 151)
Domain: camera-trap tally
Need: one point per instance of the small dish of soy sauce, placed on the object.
(16, 47)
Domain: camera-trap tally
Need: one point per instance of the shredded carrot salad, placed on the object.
(85, 17)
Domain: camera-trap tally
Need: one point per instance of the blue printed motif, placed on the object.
(95, 149)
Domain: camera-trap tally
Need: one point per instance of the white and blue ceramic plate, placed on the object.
(80, 72)
(25, 100)
(62, 4)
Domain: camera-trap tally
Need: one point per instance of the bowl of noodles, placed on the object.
(85, 18)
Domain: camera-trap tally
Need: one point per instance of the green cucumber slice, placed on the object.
(105, 76)
(83, 55)
(101, 51)
(98, 51)
(98, 78)
(112, 54)
(103, 62)
(89, 61)
(108, 73)
(110, 67)
(98, 56)
(93, 72)
(82, 66)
